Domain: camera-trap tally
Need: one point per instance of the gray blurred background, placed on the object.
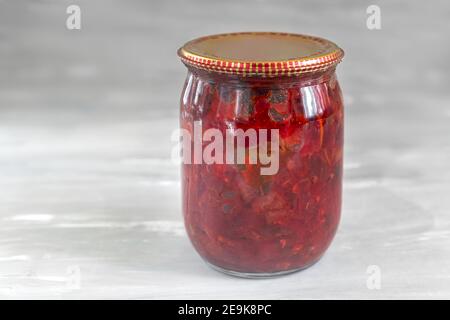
(90, 202)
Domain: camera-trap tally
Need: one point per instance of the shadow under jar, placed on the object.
(241, 220)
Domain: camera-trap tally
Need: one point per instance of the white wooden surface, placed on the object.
(90, 203)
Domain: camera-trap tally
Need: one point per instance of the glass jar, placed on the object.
(262, 137)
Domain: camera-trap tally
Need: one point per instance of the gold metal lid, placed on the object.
(264, 54)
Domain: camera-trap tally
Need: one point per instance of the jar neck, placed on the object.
(304, 80)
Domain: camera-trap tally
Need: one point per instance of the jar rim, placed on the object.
(265, 54)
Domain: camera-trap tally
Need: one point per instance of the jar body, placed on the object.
(242, 221)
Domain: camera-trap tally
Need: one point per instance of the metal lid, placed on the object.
(265, 54)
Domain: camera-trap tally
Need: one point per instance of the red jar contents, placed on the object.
(240, 221)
